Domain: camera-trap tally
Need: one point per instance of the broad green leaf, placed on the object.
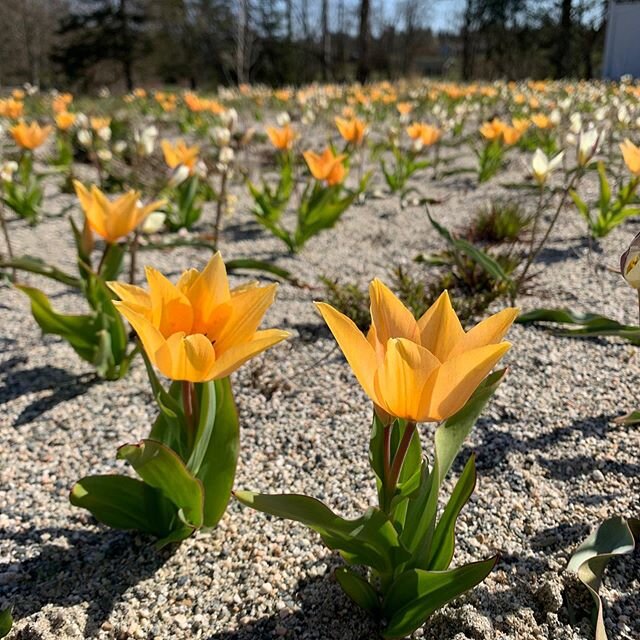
(217, 469)
(371, 540)
(587, 324)
(162, 468)
(6, 622)
(123, 503)
(206, 394)
(358, 589)
(443, 542)
(614, 537)
(416, 594)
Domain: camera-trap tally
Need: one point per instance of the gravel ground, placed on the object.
(550, 461)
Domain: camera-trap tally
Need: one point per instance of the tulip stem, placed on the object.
(107, 247)
(386, 454)
(222, 196)
(5, 231)
(398, 461)
(133, 249)
(189, 402)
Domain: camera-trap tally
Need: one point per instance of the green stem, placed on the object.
(189, 403)
(398, 461)
(5, 231)
(222, 196)
(104, 257)
(133, 248)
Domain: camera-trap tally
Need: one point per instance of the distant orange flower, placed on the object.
(493, 129)
(327, 166)
(541, 121)
(352, 130)
(98, 123)
(426, 133)
(61, 102)
(65, 120)
(180, 154)
(12, 109)
(281, 138)
(404, 108)
(30, 136)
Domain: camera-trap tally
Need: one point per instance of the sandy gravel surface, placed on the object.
(550, 461)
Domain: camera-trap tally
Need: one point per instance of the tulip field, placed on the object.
(334, 362)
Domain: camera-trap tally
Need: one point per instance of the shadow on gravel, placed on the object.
(63, 386)
(567, 468)
(322, 612)
(96, 568)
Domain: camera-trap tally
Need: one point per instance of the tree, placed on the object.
(102, 30)
(363, 41)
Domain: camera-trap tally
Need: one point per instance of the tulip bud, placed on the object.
(283, 118)
(120, 146)
(630, 263)
(587, 145)
(104, 133)
(85, 138)
(153, 222)
(226, 155)
(7, 170)
(179, 176)
(105, 155)
(220, 135)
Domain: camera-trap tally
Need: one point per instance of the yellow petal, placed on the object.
(247, 309)
(150, 337)
(489, 331)
(230, 360)
(186, 357)
(452, 384)
(171, 311)
(207, 291)
(401, 379)
(134, 297)
(389, 316)
(439, 327)
(360, 355)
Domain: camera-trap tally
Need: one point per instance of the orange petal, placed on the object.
(402, 378)
(489, 331)
(439, 327)
(230, 360)
(171, 311)
(207, 291)
(150, 337)
(135, 298)
(360, 355)
(247, 310)
(452, 384)
(186, 357)
(390, 317)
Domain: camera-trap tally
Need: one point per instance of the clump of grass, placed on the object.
(348, 298)
(498, 223)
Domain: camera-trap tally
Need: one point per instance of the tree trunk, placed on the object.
(326, 40)
(363, 42)
(241, 40)
(563, 54)
(127, 45)
(467, 57)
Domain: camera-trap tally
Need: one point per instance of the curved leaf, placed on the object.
(358, 589)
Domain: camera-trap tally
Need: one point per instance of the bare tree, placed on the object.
(363, 41)
(326, 40)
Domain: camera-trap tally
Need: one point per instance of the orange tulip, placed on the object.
(30, 136)
(113, 220)
(198, 329)
(99, 123)
(493, 129)
(180, 154)
(351, 130)
(65, 120)
(541, 121)
(327, 166)
(281, 138)
(631, 155)
(420, 370)
(426, 133)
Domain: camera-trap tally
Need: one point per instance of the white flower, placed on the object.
(104, 92)
(153, 222)
(145, 140)
(85, 138)
(200, 169)
(555, 116)
(575, 126)
(120, 146)
(587, 145)
(624, 117)
(229, 118)
(226, 155)
(308, 117)
(180, 174)
(7, 170)
(542, 166)
(82, 122)
(105, 155)
(220, 135)
(283, 118)
(601, 113)
(104, 133)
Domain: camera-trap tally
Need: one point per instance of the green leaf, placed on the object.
(358, 589)
(371, 540)
(162, 468)
(614, 537)
(581, 205)
(122, 503)
(416, 594)
(605, 189)
(443, 542)
(218, 464)
(41, 268)
(6, 622)
(631, 418)
(587, 324)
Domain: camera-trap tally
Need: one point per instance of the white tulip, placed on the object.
(575, 120)
(283, 118)
(145, 140)
(630, 263)
(220, 135)
(85, 138)
(180, 174)
(587, 145)
(542, 166)
(105, 155)
(120, 146)
(7, 170)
